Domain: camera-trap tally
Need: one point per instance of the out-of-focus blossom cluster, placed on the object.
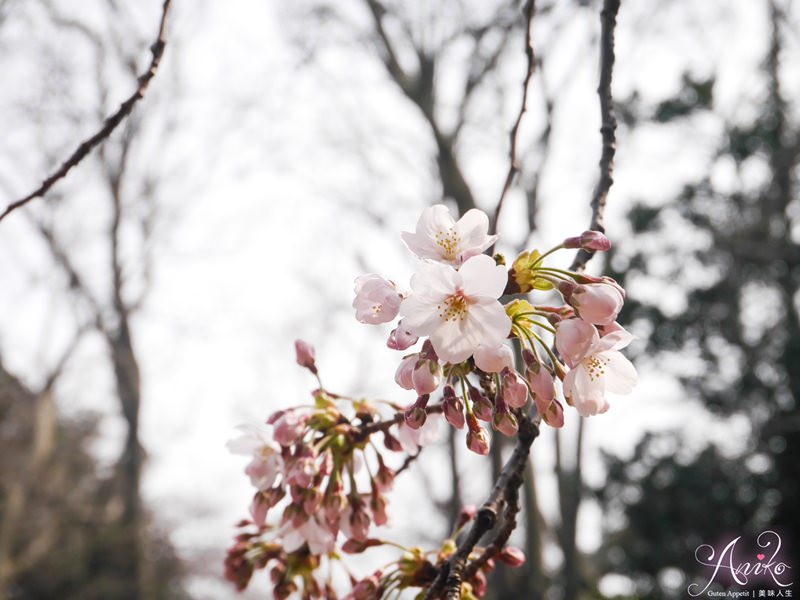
(478, 350)
(305, 465)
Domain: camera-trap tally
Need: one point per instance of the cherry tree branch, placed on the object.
(367, 430)
(513, 168)
(111, 123)
(608, 126)
(505, 493)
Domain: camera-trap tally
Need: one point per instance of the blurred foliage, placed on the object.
(730, 248)
(59, 518)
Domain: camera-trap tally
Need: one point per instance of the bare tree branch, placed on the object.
(505, 492)
(608, 126)
(111, 123)
(513, 167)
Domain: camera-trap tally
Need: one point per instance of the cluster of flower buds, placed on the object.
(486, 354)
(470, 312)
(308, 462)
(415, 569)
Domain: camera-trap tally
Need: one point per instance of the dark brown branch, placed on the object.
(367, 430)
(608, 126)
(111, 123)
(513, 167)
(501, 537)
(506, 489)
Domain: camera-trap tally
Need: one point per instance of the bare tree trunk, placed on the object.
(126, 372)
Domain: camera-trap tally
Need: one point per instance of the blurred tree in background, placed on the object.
(739, 332)
(61, 529)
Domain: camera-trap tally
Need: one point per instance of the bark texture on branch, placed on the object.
(505, 495)
(608, 126)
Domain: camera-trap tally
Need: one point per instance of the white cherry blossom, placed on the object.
(458, 310)
(600, 369)
(266, 463)
(377, 299)
(438, 237)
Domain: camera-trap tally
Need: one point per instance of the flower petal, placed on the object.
(575, 339)
(420, 314)
(435, 280)
(480, 276)
(621, 375)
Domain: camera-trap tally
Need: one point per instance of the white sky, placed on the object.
(264, 188)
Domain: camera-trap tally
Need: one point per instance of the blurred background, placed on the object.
(150, 303)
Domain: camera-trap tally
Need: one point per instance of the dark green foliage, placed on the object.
(740, 321)
(59, 517)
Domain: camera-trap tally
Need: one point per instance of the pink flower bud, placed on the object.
(597, 303)
(259, 508)
(377, 300)
(493, 359)
(554, 415)
(589, 240)
(542, 386)
(377, 506)
(305, 355)
(384, 478)
(481, 405)
(334, 501)
(426, 376)
(400, 338)
(465, 515)
(453, 408)
(415, 416)
(479, 584)
(574, 337)
(313, 500)
(403, 375)
(505, 423)
(391, 443)
(367, 588)
(515, 392)
(289, 427)
(357, 522)
(478, 442)
(513, 557)
(567, 288)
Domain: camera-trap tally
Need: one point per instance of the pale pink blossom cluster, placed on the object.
(478, 350)
(306, 463)
(455, 304)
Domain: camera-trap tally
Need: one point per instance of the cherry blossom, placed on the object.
(493, 359)
(377, 300)
(598, 303)
(413, 439)
(266, 463)
(600, 368)
(438, 237)
(400, 338)
(458, 309)
(319, 538)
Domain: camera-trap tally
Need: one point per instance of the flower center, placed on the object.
(454, 308)
(449, 242)
(376, 309)
(596, 366)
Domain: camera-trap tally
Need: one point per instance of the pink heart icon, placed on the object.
(760, 556)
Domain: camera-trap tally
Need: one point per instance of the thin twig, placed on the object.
(111, 122)
(608, 126)
(365, 431)
(452, 572)
(513, 167)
